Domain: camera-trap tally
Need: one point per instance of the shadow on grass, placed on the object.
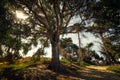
(69, 72)
(8, 73)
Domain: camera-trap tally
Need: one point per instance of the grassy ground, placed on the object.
(26, 69)
(114, 68)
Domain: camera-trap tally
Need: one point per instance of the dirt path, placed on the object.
(90, 73)
(100, 68)
(98, 73)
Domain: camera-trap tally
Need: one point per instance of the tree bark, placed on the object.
(55, 63)
(80, 55)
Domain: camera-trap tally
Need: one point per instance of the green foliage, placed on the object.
(10, 34)
(65, 42)
(68, 49)
(114, 69)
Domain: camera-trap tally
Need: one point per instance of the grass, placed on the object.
(5, 69)
(12, 67)
(115, 69)
(72, 71)
(23, 63)
(18, 67)
(83, 64)
(65, 61)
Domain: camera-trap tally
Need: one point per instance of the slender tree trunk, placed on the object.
(80, 55)
(55, 63)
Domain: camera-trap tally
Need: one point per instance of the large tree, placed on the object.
(50, 19)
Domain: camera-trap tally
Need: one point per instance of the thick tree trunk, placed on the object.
(55, 63)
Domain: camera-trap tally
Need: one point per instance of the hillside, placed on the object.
(26, 70)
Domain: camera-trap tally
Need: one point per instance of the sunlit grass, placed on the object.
(4, 69)
(115, 69)
(65, 61)
(13, 67)
(83, 63)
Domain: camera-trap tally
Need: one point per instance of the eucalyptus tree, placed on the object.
(85, 16)
(50, 19)
(78, 27)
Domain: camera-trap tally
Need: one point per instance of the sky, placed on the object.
(84, 40)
